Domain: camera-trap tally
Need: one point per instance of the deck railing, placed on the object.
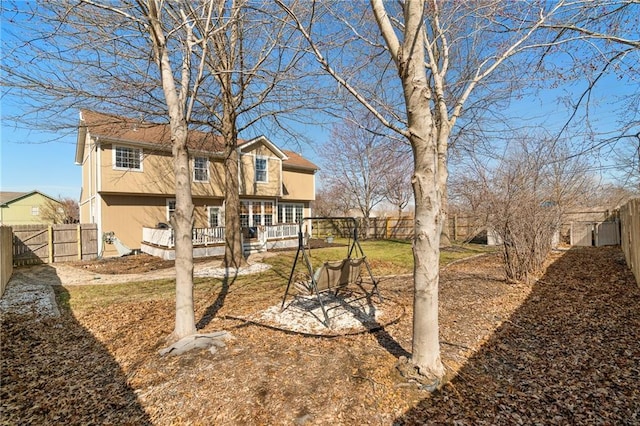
(206, 236)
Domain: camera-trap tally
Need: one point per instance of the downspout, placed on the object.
(96, 196)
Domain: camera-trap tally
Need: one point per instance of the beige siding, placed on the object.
(298, 185)
(156, 177)
(248, 184)
(127, 215)
(215, 186)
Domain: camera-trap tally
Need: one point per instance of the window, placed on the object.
(214, 217)
(171, 209)
(200, 169)
(35, 211)
(290, 213)
(127, 158)
(244, 215)
(268, 213)
(261, 170)
(254, 213)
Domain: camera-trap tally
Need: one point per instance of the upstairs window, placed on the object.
(127, 158)
(200, 169)
(35, 211)
(261, 170)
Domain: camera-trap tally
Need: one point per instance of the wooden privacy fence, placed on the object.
(630, 235)
(6, 257)
(460, 227)
(54, 243)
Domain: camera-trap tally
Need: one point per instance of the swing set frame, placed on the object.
(332, 275)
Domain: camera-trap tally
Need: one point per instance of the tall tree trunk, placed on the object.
(233, 255)
(182, 222)
(426, 243)
(182, 219)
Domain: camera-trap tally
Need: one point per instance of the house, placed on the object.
(25, 208)
(128, 186)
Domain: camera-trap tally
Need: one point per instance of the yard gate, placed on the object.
(597, 234)
(34, 244)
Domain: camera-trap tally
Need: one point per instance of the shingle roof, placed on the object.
(6, 196)
(296, 160)
(133, 130)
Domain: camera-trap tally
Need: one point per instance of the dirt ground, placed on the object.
(563, 350)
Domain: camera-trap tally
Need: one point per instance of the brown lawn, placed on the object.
(561, 351)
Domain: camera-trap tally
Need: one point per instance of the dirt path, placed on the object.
(30, 288)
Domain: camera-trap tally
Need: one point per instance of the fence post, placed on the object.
(50, 232)
(79, 242)
(455, 227)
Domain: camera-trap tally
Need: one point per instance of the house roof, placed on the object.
(7, 197)
(141, 132)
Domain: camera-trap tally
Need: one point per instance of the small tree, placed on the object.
(64, 211)
(525, 196)
(358, 164)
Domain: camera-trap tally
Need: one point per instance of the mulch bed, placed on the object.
(561, 351)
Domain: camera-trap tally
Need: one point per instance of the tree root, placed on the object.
(412, 374)
(210, 341)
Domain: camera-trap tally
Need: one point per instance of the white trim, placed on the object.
(207, 167)
(95, 208)
(255, 168)
(262, 139)
(219, 209)
(113, 158)
(280, 190)
(167, 210)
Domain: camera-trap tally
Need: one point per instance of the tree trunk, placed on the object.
(182, 219)
(233, 255)
(426, 243)
(182, 225)
(443, 137)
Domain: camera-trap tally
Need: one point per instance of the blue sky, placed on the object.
(36, 160)
(31, 159)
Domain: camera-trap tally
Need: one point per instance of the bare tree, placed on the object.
(253, 65)
(331, 201)
(525, 197)
(358, 162)
(65, 210)
(397, 182)
(446, 56)
(207, 64)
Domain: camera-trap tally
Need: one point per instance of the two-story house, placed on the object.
(128, 185)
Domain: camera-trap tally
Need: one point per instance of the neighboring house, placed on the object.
(24, 208)
(128, 184)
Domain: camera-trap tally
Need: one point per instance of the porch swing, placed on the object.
(331, 276)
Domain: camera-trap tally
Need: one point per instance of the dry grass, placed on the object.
(511, 351)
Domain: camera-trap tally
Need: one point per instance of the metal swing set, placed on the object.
(331, 276)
